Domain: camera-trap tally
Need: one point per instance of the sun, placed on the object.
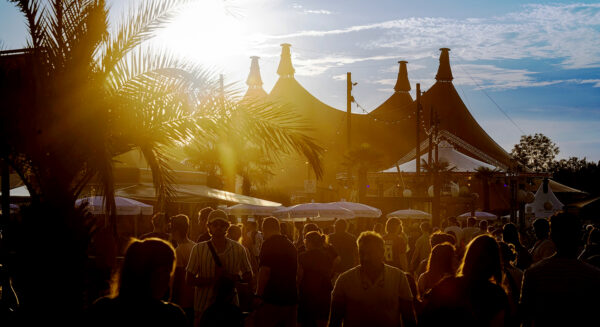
(209, 32)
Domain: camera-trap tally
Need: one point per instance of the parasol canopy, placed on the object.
(316, 211)
(479, 215)
(409, 214)
(243, 209)
(125, 206)
(359, 209)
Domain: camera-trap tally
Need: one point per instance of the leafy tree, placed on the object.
(535, 152)
(362, 159)
(578, 173)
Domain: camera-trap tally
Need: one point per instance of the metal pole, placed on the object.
(5, 188)
(418, 131)
(349, 109)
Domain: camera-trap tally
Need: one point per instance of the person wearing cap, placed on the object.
(213, 260)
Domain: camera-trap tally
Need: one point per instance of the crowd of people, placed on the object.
(272, 273)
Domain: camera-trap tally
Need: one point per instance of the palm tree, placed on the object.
(362, 159)
(82, 96)
(485, 174)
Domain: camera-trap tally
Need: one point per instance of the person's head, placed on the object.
(147, 269)
(565, 232)
(392, 226)
(425, 227)
(203, 216)
(310, 227)
(440, 237)
(483, 226)
(541, 227)
(314, 240)
(180, 225)
(378, 228)
(471, 222)
(594, 236)
(510, 234)
(234, 233)
(340, 226)
(453, 222)
(441, 260)
(284, 228)
(370, 249)
(160, 223)
(481, 261)
(507, 252)
(270, 227)
(217, 224)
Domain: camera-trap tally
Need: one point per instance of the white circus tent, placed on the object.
(545, 203)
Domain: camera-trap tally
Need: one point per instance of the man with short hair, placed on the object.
(395, 243)
(454, 227)
(422, 246)
(561, 290)
(213, 260)
(160, 227)
(276, 284)
(373, 293)
(543, 247)
(183, 294)
(345, 245)
(471, 230)
(204, 235)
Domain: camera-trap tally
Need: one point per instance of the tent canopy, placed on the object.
(447, 153)
(545, 204)
(191, 193)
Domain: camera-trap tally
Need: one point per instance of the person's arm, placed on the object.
(407, 311)
(337, 310)
(264, 273)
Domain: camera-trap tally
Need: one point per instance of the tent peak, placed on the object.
(444, 73)
(254, 80)
(285, 69)
(402, 83)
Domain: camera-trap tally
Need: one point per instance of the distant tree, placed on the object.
(578, 173)
(536, 152)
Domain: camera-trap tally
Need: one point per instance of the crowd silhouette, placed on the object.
(401, 273)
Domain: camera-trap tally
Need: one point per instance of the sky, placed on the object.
(521, 67)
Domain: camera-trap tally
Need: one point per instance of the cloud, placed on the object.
(311, 11)
(317, 66)
(569, 33)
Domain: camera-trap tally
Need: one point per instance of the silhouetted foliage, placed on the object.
(536, 152)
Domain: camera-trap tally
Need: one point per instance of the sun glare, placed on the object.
(208, 32)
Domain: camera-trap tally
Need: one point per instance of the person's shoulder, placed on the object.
(349, 274)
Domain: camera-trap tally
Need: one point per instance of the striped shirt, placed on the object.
(202, 264)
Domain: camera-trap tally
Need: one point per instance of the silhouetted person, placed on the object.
(276, 282)
(561, 290)
(160, 225)
(422, 246)
(202, 224)
(513, 278)
(379, 229)
(543, 247)
(315, 269)
(310, 227)
(510, 235)
(223, 312)
(234, 233)
(441, 265)
(395, 243)
(214, 262)
(454, 227)
(373, 293)
(345, 245)
(474, 297)
(592, 247)
(472, 230)
(183, 294)
(143, 281)
(435, 239)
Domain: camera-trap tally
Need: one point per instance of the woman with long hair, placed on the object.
(142, 284)
(440, 265)
(474, 297)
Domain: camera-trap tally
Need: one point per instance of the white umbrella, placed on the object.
(316, 211)
(479, 215)
(125, 206)
(243, 209)
(359, 209)
(409, 213)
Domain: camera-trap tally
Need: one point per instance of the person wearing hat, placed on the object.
(213, 261)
